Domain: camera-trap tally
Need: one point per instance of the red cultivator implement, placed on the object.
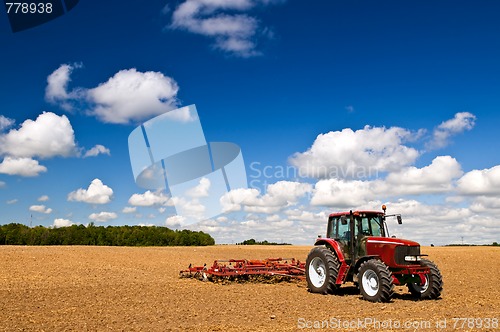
(235, 269)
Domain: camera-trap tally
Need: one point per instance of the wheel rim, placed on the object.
(317, 272)
(370, 282)
(422, 288)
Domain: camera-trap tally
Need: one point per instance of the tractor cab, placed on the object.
(352, 231)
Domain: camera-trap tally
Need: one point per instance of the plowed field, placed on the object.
(138, 289)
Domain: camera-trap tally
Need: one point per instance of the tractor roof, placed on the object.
(338, 214)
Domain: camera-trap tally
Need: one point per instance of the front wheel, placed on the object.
(375, 281)
(433, 285)
(322, 268)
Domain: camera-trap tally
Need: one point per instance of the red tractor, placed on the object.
(358, 248)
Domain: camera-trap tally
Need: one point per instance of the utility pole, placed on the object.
(462, 240)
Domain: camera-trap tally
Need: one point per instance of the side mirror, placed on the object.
(400, 220)
(343, 220)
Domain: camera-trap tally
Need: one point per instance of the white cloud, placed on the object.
(486, 204)
(5, 123)
(12, 201)
(133, 96)
(59, 222)
(43, 198)
(40, 209)
(279, 196)
(224, 21)
(361, 153)
(48, 136)
(150, 198)
(57, 85)
(461, 122)
(103, 216)
(21, 166)
(480, 182)
(201, 190)
(341, 193)
(97, 150)
(175, 221)
(127, 97)
(129, 209)
(97, 193)
(307, 216)
(438, 177)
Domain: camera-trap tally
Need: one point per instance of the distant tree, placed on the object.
(265, 242)
(18, 234)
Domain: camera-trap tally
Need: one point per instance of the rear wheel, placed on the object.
(433, 285)
(322, 269)
(375, 281)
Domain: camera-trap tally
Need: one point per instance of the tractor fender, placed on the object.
(333, 246)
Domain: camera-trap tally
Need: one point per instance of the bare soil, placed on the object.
(139, 289)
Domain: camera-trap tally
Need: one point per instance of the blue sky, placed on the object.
(293, 83)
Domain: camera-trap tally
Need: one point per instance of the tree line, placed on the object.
(250, 242)
(19, 234)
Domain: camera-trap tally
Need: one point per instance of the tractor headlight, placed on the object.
(412, 258)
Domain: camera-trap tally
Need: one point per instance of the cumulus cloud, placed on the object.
(57, 86)
(341, 193)
(40, 209)
(129, 209)
(96, 193)
(226, 22)
(201, 190)
(442, 134)
(150, 198)
(103, 216)
(480, 182)
(438, 177)
(5, 123)
(21, 166)
(43, 198)
(59, 222)
(486, 204)
(48, 136)
(360, 154)
(278, 196)
(127, 97)
(175, 221)
(132, 96)
(97, 150)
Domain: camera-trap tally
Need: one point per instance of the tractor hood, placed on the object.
(378, 240)
(392, 251)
